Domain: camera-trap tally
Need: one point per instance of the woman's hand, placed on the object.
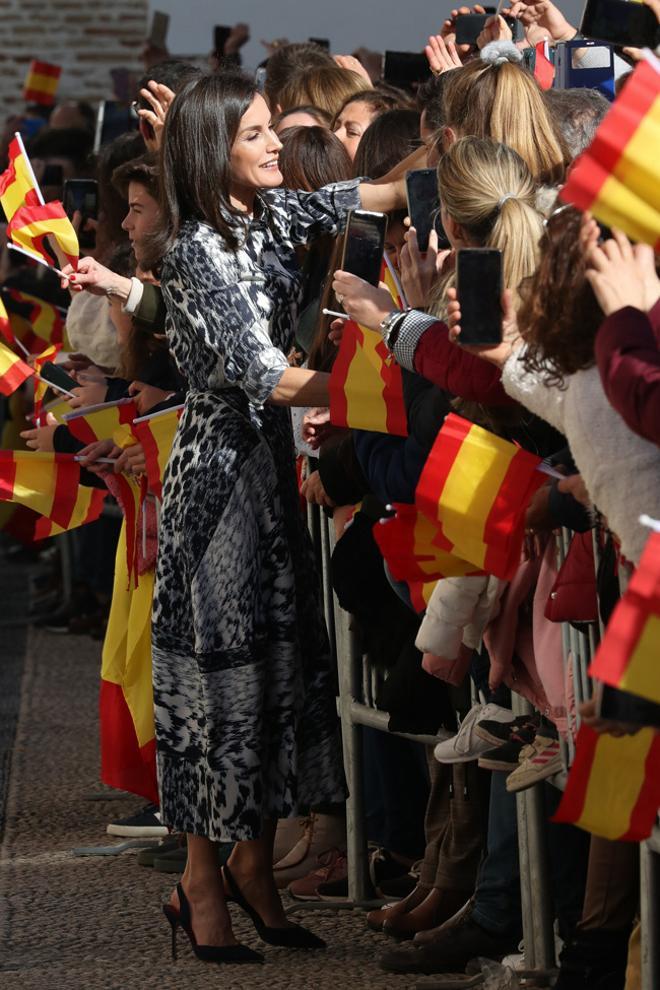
(146, 396)
(495, 29)
(95, 278)
(442, 55)
(160, 98)
(497, 354)
(312, 489)
(131, 460)
(448, 29)
(41, 437)
(363, 302)
(604, 725)
(542, 21)
(354, 65)
(316, 427)
(90, 454)
(623, 275)
(89, 394)
(574, 485)
(420, 270)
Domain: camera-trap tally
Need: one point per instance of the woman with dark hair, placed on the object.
(246, 725)
(357, 112)
(312, 157)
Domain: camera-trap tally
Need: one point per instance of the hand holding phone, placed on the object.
(621, 22)
(479, 288)
(424, 206)
(364, 244)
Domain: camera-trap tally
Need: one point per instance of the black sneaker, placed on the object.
(146, 857)
(499, 733)
(146, 824)
(173, 861)
(456, 942)
(507, 756)
(594, 960)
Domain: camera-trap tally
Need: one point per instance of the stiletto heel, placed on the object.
(294, 937)
(208, 953)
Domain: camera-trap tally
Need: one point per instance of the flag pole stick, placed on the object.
(36, 257)
(22, 346)
(57, 388)
(338, 316)
(650, 523)
(161, 412)
(28, 165)
(395, 279)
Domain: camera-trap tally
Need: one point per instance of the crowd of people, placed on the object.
(211, 291)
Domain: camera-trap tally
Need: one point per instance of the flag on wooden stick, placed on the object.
(18, 185)
(613, 787)
(41, 83)
(476, 487)
(33, 322)
(618, 177)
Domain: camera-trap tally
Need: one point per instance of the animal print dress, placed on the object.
(246, 726)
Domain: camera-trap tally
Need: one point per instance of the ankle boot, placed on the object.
(438, 906)
(376, 919)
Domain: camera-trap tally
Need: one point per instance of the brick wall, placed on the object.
(86, 39)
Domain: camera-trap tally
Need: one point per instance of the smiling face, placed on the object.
(254, 154)
(141, 218)
(351, 124)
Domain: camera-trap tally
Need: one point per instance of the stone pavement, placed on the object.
(72, 923)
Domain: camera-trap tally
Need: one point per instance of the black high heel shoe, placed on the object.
(208, 953)
(294, 937)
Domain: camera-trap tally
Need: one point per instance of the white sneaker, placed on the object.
(466, 744)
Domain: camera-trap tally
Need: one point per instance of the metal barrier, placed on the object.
(358, 683)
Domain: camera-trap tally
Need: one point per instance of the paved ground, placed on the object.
(70, 923)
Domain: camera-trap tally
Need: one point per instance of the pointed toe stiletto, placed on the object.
(293, 937)
(208, 953)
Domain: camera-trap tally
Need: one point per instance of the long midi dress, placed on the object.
(244, 689)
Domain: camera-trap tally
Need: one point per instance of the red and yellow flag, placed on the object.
(13, 371)
(366, 391)
(618, 176)
(41, 386)
(126, 704)
(32, 321)
(50, 485)
(17, 183)
(477, 487)
(628, 657)
(31, 225)
(41, 83)
(156, 434)
(406, 543)
(106, 421)
(613, 788)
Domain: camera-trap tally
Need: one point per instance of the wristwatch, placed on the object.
(389, 327)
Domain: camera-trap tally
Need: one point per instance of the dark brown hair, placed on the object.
(323, 118)
(143, 170)
(387, 141)
(288, 59)
(312, 157)
(141, 344)
(559, 316)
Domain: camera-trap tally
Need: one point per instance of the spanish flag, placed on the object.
(628, 657)
(420, 594)
(406, 543)
(613, 788)
(366, 391)
(618, 176)
(13, 371)
(105, 421)
(41, 83)
(18, 186)
(5, 324)
(88, 508)
(477, 487)
(156, 434)
(32, 321)
(50, 485)
(130, 496)
(31, 225)
(126, 705)
(46, 357)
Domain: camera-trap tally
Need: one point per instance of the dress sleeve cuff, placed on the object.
(263, 375)
(410, 331)
(134, 296)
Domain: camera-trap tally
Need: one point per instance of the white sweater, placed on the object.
(620, 469)
(458, 611)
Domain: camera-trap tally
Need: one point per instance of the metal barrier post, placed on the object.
(649, 911)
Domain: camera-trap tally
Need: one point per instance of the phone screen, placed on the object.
(405, 68)
(479, 286)
(470, 26)
(81, 195)
(621, 22)
(56, 376)
(364, 245)
(160, 23)
(423, 204)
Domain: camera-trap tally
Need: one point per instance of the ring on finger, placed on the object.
(340, 299)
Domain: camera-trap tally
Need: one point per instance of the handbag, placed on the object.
(573, 596)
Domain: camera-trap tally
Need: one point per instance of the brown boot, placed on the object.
(424, 937)
(377, 919)
(438, 906)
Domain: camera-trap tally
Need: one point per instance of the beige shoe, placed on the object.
(321, 832)
(288, 834)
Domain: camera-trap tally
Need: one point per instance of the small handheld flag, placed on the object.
(41, 83)
(30, 225)
(18, 184)
(156, 434)
(106, 421)
(13, 371)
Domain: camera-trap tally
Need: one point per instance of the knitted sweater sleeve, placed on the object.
(529, 389)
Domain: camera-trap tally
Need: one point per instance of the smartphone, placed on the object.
(470, 26)
(221, 33)
(620, 22)
(364, 244)
(405, 69)
(479, 287)
(321, 42)
(424, 206)
(82, 195)
(621, 706)
(54, 375)
(113, 119)
(160, 23)
(585, 64)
